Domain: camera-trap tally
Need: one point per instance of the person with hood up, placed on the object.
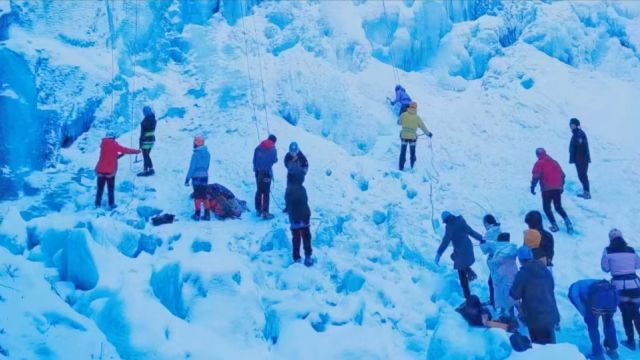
(410, 122)
(107, 167)
(457, 233)
(264, 157)
(299, 219)
(545, 248)
(580, 155)
(198, 175)
(492, 228)
(549, 174)
(621, 261)
(595, 299)
(147, 140)
(402, 98)
(533, 287)
(296, 164)
(501, 259)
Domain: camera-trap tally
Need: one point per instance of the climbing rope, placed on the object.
(396, 73)
(133, 87)
(264, 96)
(246, 53)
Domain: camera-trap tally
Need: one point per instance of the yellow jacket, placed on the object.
(410, 122)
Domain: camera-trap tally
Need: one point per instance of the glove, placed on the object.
(533, 191)
(389, 101)
(430, 135)
(437, 259)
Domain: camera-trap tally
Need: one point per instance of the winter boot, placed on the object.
(612, 353)
(308, 261)
(266, 216)
(569, 225)
(297, 260)
(585, 195)
(629, 343)
(196, 215)
(151, 172)
(143, 174)
(207, 215)
(554, 228)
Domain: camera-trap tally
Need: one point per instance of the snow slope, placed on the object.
(127, 290)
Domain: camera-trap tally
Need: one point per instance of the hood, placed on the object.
(266, 144)
(200, 148)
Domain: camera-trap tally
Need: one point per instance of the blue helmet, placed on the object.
(146, 110)
(294, 148)
(525, 253)
(398, 87)
(446, 215)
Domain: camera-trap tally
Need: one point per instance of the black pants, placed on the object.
(492, 293)
(464, 282)
(583, 169)
(301, 235)
(403, 152)
(555, 197)
(542, 336)
(148, 165)
(110, 181)
(263, 185)
(630, 318)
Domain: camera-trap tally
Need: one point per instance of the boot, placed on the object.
(569, 225)
(196, 215)
(207, 215)
(585, 195)
(308, 261)
(554, 228)
(612, 353)
(629, 343)
(266, 216)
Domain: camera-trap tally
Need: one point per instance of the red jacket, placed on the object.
(110, 150)
(549, 173)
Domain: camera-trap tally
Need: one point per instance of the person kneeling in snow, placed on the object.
(224, 203)
(533, 287)
(457, 233)
(594, 299)
(107, 167)
(198, 174)
(299, 218)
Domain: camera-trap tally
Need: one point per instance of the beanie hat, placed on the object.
(293, 147)
(615, 234)
(273, 138)
(446, 215)
(524, 254)
(198, 140)
(413, 105)
(574, 122)
(540, 152)
(532, 238)
(490, 220)
(146, 111)
(398, 87)
(533, 219)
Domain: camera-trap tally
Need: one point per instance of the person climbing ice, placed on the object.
(457, 233)
(147, 140)
(580, 155)
(264, 157)
(107, 167)
(410, 122)
(198, 175)
(621, 261)
(299, 219)
(402, 98)
(549, 174)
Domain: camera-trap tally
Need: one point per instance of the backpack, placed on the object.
(163, 219)
(602, 298)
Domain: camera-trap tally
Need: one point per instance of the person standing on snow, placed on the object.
(580, 156)
(299, 218)
(492, 228)
(621, 261)
(545, 248)
(533, 287)
(594, 299)
(147, 139)
(198, 175)
(264, 157)
(107, 167)
(457, 233)
(501, 260)
(402, 98)
(296, 164)
(549, 174)
(410, 122)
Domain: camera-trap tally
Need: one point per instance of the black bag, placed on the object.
(163, 219)
(519, 342)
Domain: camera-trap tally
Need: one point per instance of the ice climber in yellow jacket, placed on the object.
(410, 122)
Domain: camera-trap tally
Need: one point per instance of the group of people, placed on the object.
(211, 197)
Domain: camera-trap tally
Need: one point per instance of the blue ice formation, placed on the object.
(201, 246)
(75, 261)
(351, 282)
(167, 287)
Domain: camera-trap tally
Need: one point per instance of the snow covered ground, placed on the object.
(124, 289)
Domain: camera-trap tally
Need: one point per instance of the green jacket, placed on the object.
(410, 122)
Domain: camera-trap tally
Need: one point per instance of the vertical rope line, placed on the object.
(246, 53)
